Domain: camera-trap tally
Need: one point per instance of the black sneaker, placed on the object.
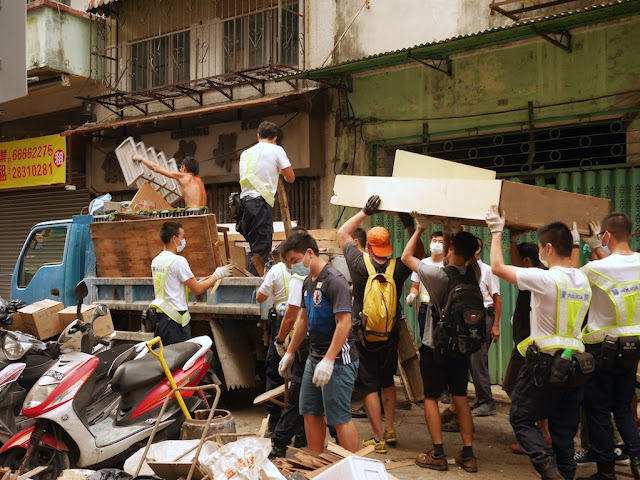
(621, 457)
(300, 441)
(277, 451)
(584, 458)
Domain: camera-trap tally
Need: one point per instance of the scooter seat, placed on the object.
(36, 365)
(146, 370)
(108, 357)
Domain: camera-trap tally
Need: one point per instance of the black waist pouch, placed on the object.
(582, 364)
(628, 352)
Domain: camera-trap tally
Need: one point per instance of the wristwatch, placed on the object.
(279, 342)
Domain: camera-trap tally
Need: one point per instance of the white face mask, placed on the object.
(543, 262)
(183, 243)
(436, 248)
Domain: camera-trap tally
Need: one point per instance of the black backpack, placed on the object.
(460, 328)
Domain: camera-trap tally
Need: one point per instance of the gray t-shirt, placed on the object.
(436, 282)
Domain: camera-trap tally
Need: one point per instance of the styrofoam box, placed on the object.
(355, 468)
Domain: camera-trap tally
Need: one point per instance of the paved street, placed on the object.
(491, 444)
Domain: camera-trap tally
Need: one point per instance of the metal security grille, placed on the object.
(21, 211)
(157, 51)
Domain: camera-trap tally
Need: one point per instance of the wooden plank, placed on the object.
(399, 464)
(216, 243)
(126, 249)
(263, 427)
(146, 193)
(409, 362)
(338, 450)
(283, 203)
(526, 206)
(269, 395)
(414, 165)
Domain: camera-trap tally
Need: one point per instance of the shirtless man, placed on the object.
(192, 187)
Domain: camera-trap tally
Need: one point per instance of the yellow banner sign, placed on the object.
(33, 162)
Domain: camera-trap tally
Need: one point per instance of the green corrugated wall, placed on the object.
(621, 185)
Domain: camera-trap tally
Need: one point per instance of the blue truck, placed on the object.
(58, 254)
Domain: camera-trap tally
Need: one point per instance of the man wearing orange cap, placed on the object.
(377, 368)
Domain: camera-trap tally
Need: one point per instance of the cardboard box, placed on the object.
(41, 318)
(103, 326)
(18, 324)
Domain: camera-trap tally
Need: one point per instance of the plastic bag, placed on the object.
(97, 204)
(239, 460)
(168, 451)
(109, 474)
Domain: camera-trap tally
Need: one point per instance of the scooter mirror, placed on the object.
(81, 291)
(101, 310)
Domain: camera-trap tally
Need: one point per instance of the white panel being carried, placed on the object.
(158, 181)
(132, 170)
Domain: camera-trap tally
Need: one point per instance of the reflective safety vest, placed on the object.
(160, 270)
(424, 295)
(624, 297)
(281, 303)
(571, 308)
(248, 175)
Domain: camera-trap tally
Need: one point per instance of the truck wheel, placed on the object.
(55, 461)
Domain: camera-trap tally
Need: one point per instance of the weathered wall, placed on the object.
(58, 41)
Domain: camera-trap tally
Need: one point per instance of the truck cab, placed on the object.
(53, 259)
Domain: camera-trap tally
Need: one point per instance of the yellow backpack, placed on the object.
(379, 303)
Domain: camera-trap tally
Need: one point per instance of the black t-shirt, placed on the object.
(323, 298)
(522, 316)
(359, 276)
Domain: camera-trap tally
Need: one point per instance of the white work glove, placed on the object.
(451, 226)
(421, 220)
(322, 373)
(284, 367)
(410, 299)
(281, 348)
(575, 235)
(223, 271)
(592, 240)
(495, 219)
(136, 157)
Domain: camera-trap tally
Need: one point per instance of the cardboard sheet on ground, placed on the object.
(526, 206)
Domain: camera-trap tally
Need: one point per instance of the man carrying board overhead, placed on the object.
(193, 190)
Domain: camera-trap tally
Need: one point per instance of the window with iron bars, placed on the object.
(160, 61)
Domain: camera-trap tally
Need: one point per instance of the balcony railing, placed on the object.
(144, 51)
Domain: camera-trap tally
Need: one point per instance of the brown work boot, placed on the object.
(469, 464)
(426, 460)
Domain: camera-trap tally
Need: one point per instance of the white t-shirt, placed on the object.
(271, 160)
(295, 290)
(489, 284)
(179, 272)
(544, 295)
(273, 284)
(414, 278)
(620, 269)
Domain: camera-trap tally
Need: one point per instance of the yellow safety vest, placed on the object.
(624, 297)
(248, 175)
(160, 270)
(571, 308)
(424, 295)
(286, 276)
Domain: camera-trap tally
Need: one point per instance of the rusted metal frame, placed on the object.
(162, 99)
(129, 102)
(564, 35)
(107, 105)
(293, 83)
(190, 93)
(436, 64)
(252, 81)
(220, 88)
(506, 13)
(495, 5)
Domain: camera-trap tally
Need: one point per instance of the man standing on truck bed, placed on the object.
(172, 281)
(260, 168)
(193, 190)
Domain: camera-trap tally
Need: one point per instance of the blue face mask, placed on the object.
(300, 269)
(183, 243)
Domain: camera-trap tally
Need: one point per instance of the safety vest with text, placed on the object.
(624, 298)
(248, 174)
(160, 269)
(571, 307)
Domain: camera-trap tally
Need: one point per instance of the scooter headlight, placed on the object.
(13, 349)
(37, 395)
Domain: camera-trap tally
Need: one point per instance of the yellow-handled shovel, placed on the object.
(167, 373)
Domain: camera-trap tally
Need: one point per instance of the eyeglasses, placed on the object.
(599, 235)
